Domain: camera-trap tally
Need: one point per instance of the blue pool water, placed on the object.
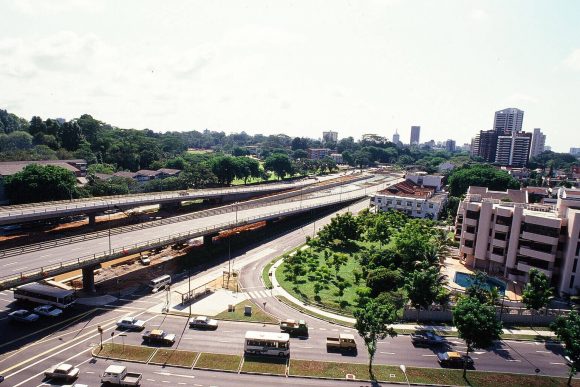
(464, 279)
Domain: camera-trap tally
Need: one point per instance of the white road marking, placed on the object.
(429, 355)
(514, 360)
(557, 363)
(388, 353)
(543, 352)
(170, 374)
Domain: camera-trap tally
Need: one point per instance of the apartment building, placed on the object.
(318, 153)
(501, 233)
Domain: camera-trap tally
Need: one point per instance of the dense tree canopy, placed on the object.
(480, 175)
(37, 183)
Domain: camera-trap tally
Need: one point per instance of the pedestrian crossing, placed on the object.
(259, 293)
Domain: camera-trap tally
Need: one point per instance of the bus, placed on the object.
(45, 294)
(267, 343)
(159, 283)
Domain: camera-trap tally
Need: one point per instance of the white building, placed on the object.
(330, 136)
(424, 180)
(538, 143)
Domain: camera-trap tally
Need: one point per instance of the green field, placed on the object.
(124, 352)
(258, 314)
(264, 365)
(174, 357)
(217, 361)
(303, 288)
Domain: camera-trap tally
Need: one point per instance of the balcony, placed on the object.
(540, 238)
(501, 228)
(470, 222)
(468, 236)
(499, 243)
(537, 254)
(497, 258)
(526, 268)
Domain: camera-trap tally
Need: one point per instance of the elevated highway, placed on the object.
(87, 254)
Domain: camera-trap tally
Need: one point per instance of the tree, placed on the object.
(479, 288)
(537, 292)
(341, 231)
(224, 168)
(38, 183)
(372, 323)
(567, 329)
(383, 280)
(280, 164)
(198, 175)
(480, 175)
(424, 287)
(476, 323)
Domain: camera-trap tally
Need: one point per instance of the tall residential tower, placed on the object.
(415, 134)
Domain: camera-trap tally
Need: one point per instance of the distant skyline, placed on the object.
(298, 68)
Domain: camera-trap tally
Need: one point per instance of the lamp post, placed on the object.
(404, 369)
(109, 224)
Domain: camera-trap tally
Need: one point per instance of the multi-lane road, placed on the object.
(28, 351)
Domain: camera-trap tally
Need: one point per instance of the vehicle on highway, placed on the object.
(160, 283)
(145, 260)
(62, 371)
(23, 315)
(159, 336)
(75, 385)
(294, 327)
(267, 343)
(48, 311)
(343, 343)
(1, 378)
(118, 375)
(426, 339)
(203, 322)
(454, 360)
(45, 295)
(131, 323)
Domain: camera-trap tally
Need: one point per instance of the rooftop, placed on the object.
(408, 189)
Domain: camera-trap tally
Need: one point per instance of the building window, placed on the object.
(541, 230)
(430, 205)
(468, 243)
(409, 204)
(472, 214)
(470, 229)
(578, 249)
(575, 264)
(571, 284)
(500, 236)
(497, 251)
(398, 202)
(504, 220)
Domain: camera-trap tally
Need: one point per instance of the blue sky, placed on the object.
(297, 67)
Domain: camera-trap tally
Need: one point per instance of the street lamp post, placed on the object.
(109, 224)
(404, 369)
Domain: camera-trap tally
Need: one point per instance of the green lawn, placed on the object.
(264, 365)
(217, 361)
(303, 288)
(174, 357)
(305, 311)
(124, 352)
(258, 314)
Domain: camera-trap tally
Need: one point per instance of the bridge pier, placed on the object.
(92, 219)
(89, 279)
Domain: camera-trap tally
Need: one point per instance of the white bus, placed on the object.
(267, 343)
(45, 294)
(159, 283)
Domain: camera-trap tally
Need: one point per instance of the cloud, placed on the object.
(573, 60)
(521, 99)
(478, 14)
(42, 7)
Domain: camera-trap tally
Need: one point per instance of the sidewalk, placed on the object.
(278, 290)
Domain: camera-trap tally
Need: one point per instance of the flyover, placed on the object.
(90, 206)
(88, 254)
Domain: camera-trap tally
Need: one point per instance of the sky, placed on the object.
(296, 67)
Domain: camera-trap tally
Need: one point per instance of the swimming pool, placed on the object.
(465, 280)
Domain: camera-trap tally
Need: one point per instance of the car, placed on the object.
(23, 315)
(1, 378)
(48, 310)
(145, 260)
(159, 336)
(426, 339)
(62, 372)
(454, 360)
(131, 323)
(203, 322)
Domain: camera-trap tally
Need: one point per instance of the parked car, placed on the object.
(203, 322)
(145, 260)
(159, 337)
(62, 371)
(426, 339)
(23, 315)
(454, 360)
(131, 323)
(48, 310)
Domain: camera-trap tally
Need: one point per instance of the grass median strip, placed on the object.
(124, 352)
(264, 365)
(174, 357)
(258, 315)
(216, 361)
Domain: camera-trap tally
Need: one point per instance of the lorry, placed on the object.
(118, 375)
(62, 371)
(343, 343)
(293, 327)
(159, 336)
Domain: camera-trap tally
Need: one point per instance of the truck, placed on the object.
(159, 336)
(294, 327)
(118, 375)
(62, 371)
(343, 343)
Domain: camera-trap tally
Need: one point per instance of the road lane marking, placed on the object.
(172, 374)
(388, 353)
(543, 351)
(429, 355)
(557, 363)
(514, 360)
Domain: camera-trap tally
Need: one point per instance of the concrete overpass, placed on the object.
(88, 254)
(90, 206)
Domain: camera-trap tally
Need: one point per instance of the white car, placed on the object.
(203, 322)
(62, 372)
(48, 310)
(23, 315)
(131, 323)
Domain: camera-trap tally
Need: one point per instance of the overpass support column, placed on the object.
(89, 279)
(208, 239)
(92, 219)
